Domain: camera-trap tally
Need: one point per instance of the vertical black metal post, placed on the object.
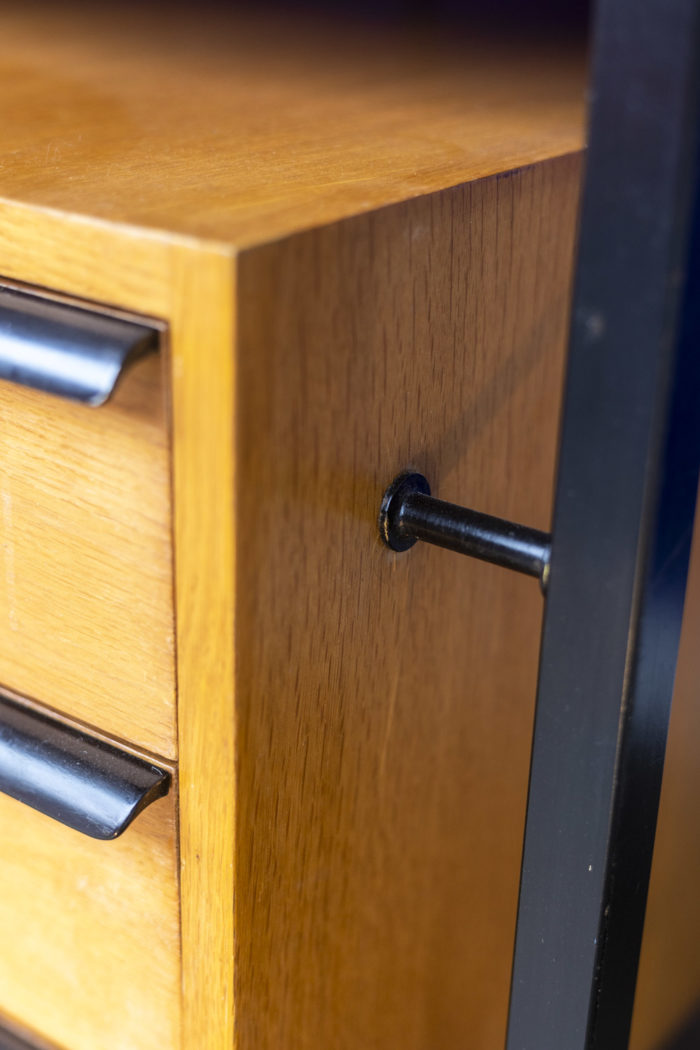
(622, 527)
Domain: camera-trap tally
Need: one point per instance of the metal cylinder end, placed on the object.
(389, 521)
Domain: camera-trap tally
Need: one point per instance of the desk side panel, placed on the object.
(385, 702)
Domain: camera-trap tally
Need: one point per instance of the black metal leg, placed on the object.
(622, 528)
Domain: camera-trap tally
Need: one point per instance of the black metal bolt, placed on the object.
(409, 513)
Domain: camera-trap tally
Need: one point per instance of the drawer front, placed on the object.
(86, 609)
(90, 954)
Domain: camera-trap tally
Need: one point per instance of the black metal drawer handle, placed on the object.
(74, 777)
(66, 350)
(13, 1037)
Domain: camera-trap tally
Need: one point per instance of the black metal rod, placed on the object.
(409, 513)
(477, 535)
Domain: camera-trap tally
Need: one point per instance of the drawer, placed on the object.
(90, 954)
(86, 606)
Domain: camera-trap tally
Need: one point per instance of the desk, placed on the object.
(356, 251)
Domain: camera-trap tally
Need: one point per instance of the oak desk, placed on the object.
(355, 253)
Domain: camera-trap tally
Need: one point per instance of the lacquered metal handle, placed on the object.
(72, 776)
(66, 350)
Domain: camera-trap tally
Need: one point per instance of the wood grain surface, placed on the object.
(241, 128)
(90, 931)
(385, 702)
(191, 287)
(204, 529)
(86, 602)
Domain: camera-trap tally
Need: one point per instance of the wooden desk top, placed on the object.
(243, 130)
